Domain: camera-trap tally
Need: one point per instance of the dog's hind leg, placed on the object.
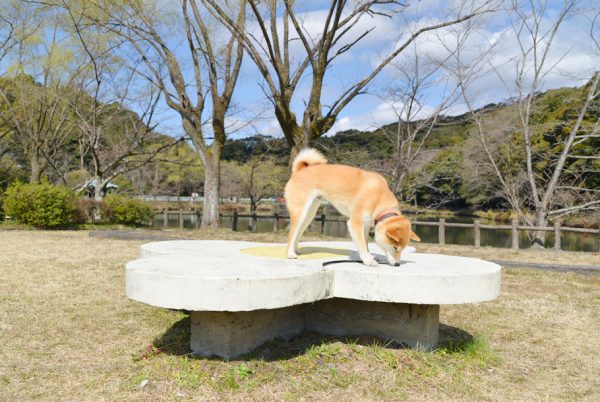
(299, 222)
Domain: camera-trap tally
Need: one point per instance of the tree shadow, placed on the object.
(176, 341)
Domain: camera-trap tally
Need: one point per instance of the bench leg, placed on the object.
(231, 334)
(414, 325)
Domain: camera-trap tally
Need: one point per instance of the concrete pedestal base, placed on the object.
(414, 325)
(231, 334)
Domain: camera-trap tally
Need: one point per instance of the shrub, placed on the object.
(125, 210)
(85, 210)
(39, 205)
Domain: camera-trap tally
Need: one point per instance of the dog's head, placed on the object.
(393, 234)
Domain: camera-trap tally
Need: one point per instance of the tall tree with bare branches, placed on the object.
(113, 140)
(549, 184)
(416, 115)
(279, 23)
(35, 94)
(195, 79)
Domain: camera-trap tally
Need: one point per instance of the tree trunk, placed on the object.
(36, 170)
(397, 180)
(293, 153)
(98, 196)
(210, 212)
(211, 160)
(291, 131)
(539, 237)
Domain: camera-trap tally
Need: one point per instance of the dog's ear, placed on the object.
(414, 237)
(393, 234)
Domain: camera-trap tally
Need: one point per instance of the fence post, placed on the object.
(275, 222)
(180, 218)
(557, 236)
(515, 235)
(323, 220)
(165, 217)
(234, 222)
(253, 222)
(442, 232)
(477, 233)
(198, 219)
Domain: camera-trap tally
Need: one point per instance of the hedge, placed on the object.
(40, 205)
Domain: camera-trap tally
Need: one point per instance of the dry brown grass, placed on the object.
(67, 332)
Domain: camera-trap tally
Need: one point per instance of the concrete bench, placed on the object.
(242, 294)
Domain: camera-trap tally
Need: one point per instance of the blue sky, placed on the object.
(573, 58)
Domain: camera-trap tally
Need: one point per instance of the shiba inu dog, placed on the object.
(362, 196)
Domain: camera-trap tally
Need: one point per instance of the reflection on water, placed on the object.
(428, 234)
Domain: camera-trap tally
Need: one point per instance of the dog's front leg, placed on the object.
(356, 229)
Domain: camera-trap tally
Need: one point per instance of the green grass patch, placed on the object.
(188, 374)
(235, 377)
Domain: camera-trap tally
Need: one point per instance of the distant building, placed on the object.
(89, 188)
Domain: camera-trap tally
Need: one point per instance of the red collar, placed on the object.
(386, 213)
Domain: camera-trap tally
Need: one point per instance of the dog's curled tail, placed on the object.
(307, 157)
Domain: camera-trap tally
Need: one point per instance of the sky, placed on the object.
(571, 61)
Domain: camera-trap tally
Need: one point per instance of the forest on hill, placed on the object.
(452, 170)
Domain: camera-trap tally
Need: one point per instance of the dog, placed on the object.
(363, 196)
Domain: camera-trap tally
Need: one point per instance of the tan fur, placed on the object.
(358, 194)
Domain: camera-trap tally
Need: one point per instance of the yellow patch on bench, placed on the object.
(305, 253)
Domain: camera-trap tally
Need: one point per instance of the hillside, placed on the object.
(452, 170)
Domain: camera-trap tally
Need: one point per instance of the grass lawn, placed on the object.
(67, 332)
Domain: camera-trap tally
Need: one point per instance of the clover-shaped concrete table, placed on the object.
(242, 294)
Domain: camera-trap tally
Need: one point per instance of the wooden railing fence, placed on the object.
(322, 220)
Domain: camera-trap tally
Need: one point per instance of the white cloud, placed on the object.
(571, 60)
(384, 113)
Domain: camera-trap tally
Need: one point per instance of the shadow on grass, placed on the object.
(176, 341)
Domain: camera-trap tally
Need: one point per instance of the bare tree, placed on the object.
(113, 140)
(7, 42)
(116, 140)
(215, 66)
(36, 96)
(416, 116)
(6, 35)
(16, 25)
(260, 177)
(559, 187)
(270, 51)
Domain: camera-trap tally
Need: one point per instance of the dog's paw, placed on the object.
(292, 256)
(369, 260)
